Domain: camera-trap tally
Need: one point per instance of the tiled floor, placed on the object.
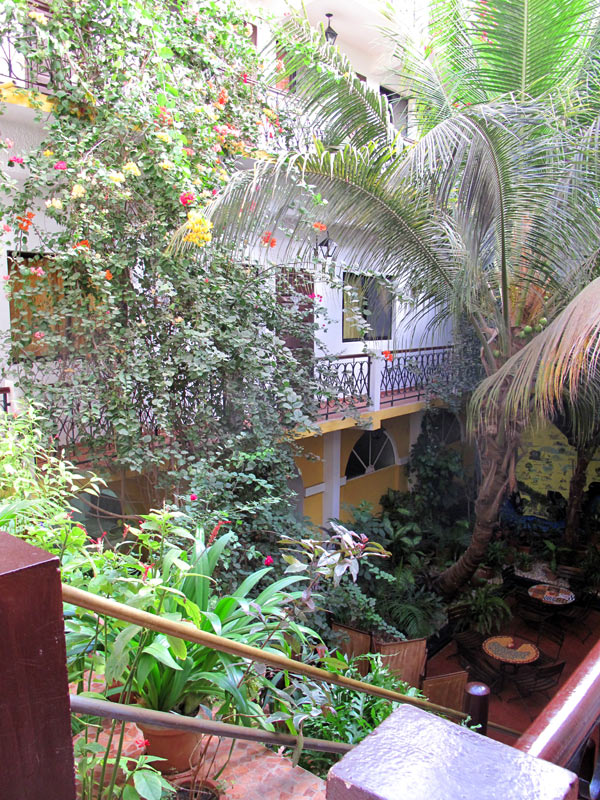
(255, 773)
(519, 714)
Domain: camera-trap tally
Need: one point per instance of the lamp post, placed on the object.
(330, 34)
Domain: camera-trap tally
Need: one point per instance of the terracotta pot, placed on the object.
(203, 790)
(180, 749)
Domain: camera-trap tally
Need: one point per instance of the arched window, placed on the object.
(374, 450)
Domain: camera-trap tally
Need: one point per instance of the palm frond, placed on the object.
(325, 87)
(560, 363)
(529, 48)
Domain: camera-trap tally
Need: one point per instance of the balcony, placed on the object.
(366, 382)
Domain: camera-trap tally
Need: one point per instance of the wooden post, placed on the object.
(477, 703)
(36, 753)
(414, 755)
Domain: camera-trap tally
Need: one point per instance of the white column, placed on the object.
(331, 473)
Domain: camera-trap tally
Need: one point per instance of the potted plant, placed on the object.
(169, 674)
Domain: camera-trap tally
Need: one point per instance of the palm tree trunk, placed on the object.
(576, 487)
(499, 451)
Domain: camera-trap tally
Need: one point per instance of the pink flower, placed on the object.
(268, 561)
(6, 228)
(188, 151)
(193, 497)
(9, 143)
(245, 77)
(6, 277)
(38, 335)
(146, 570)
(38, 271)
(185, 198)
(215, 191)
(60, 165)
(15, 160)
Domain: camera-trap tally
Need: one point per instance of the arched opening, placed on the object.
(374, 450)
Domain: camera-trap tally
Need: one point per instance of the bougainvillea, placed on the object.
(164, 365)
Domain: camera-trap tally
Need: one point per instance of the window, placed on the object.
(367, 309)
(399, 109)
(373, 451)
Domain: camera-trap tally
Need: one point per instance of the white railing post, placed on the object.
(376, 370)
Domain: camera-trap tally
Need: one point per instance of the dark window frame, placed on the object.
(370, 336)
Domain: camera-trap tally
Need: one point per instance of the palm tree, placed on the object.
(490, 217)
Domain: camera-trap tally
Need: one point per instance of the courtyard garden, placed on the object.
(163, 341)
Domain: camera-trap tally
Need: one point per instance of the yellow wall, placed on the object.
(547, 461)
(370, 488)
(311, 468)
(313, 508)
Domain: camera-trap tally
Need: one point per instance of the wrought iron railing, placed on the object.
(408, 374)
(345, 383)
(15, 68)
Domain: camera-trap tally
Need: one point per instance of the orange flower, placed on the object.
(319, 226)
(223, 97)
(25, 221)
(388, 355)
(108, 275)
(82, 243)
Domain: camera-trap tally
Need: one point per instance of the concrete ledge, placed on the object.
(414, 755)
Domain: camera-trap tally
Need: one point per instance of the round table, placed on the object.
(551, 595)
(511, 650)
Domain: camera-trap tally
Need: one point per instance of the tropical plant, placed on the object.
(490, 217)
(348, 716)
(485, 609)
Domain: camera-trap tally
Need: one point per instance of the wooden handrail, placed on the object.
(566, 722)
(209, 727)
(187, 631)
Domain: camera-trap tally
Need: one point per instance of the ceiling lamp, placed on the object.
(330, 34)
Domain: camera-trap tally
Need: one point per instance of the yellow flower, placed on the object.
(54, 203)
(210, 112)
(199, 229)
(37, 17)
(132, 169)
(166, 164)
(77, 191)
(163, 136)
(48, 153)
(116, 177)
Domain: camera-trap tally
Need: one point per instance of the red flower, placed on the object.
(60, 165)
(146, 570)
(193, 497)
(268, 561)
(185, 198)
(82, 243)
(188, 151)
(215, 531)
(268, 239)
(25, 222)
(223, 97)
(388, 355)
(15, 160)
(319, 226)
(108, 275)
(245, 77)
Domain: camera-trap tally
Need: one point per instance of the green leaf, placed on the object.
(147, 784)
(161, 653)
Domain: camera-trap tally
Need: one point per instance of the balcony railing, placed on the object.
(366, 382)
(14, 67)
